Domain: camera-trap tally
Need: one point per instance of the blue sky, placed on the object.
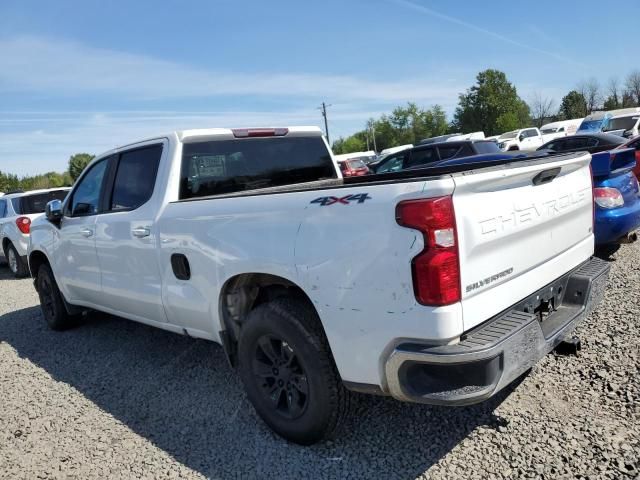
(88, 75)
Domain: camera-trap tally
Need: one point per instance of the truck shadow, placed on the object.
(181, 395)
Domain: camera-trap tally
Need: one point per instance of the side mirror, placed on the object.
(53, 211)
(521, 137)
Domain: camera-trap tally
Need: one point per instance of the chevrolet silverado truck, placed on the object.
(252, 239)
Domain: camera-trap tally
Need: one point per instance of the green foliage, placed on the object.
(490, 106)
(404, 125)
(573, 105)
(9, 182)
(77, 163)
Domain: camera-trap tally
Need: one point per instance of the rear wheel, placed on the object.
(16, 264)
(288, 372)
(51, 301)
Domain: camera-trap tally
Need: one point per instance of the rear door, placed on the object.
(126, 236)
(519, 229)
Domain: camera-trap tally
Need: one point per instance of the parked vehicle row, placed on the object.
(244, 237)
(17, 211)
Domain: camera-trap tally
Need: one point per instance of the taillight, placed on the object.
(436, 270)
(607, 197)
(259, 132)
(24, 224)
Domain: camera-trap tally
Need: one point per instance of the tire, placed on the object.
(17, 266)
(51, 301)
(283, 350)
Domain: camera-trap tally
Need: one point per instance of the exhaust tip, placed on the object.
(631, 237)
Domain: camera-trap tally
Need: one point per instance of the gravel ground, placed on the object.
(116, 399)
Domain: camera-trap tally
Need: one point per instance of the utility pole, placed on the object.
(323, 108)
(372, 132)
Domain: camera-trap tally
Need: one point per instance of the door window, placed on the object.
(449, 152)
(3, 208)
(86, 196)
(576, 143)
(421, 157)
(135, 178)
(393, 164)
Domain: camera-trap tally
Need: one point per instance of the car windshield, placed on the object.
(591, 126)
(622, 123)
(32, 204)
(507, 135)
(487, 147)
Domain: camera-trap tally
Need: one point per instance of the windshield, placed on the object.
(32, 204)
(622, 123)
(591, 125)
(507, 135)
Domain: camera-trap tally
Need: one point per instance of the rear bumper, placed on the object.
(491, 356)
(613, 224)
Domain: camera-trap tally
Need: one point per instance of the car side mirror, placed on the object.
(521, 137)
(53, 211)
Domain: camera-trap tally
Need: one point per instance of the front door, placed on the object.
(76, 260)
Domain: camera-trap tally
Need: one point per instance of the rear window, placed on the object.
(229, 166)
(355, 163)
(487, 147)
(32, 204)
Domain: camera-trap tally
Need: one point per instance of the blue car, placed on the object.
(616, 191)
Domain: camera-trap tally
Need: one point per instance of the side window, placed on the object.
(3, 208)
(575, 143)
(591, 142)
(530, 133)
(421, 157)
(393, 164)
(449, 152)
(86, 196)
(135, 178)
(556, 146)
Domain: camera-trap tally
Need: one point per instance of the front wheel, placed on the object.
(51, 301)
(288, 372)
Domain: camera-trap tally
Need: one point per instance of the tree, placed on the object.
(590, 90)
(492, 105)
(573, 105)
(541, 109)
(613, 100)
(77, 163)
(633, 86)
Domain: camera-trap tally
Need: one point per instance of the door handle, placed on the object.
(141, 232)
(86, 232)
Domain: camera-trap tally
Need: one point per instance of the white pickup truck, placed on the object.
(434, 286)
(523, 139)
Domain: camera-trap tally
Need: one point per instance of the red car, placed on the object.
(353, 167)
(635, 144)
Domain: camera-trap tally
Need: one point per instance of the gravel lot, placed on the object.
(116, 399)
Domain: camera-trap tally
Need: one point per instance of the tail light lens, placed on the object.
(259, 132)
(436, 270)
(24, 224)
(607, 197)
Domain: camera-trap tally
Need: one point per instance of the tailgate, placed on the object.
(519, 228)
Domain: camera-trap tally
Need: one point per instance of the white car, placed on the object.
(17, 211)
(625, 125)
(563, 128)
(437, 289)
(523, 139)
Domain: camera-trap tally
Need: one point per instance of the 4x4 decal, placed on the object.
(346, 200)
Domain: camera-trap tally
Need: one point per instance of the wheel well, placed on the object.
(514, 147)
(36, 260)
(241, 294)
(5, 244)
